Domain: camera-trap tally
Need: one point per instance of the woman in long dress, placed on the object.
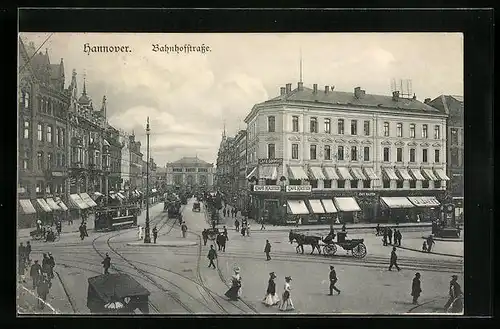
(235, 291)
(287, 304)
(271, 295)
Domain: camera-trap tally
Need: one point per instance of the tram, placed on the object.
(116, 217)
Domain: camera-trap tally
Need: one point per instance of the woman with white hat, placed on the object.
(287, 304)
(271, 295)
(235, 291)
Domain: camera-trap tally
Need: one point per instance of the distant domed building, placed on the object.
(190, 171)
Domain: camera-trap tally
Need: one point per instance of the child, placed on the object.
(424, 247)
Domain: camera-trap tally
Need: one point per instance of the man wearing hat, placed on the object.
(454, 303)
(333, 281)
(35, 273)
(267, 250)
(211, 256)
(106, 263)
(394, 260)
(416, 290)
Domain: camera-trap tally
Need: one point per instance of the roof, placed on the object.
(190, 161)
(117, 284)
(443, 102)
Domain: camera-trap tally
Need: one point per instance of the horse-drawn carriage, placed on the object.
(355, 246)
(197, 206)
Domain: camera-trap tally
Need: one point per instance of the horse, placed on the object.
(302, 239)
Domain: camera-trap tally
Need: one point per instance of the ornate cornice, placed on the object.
(327, 140)
(412, 144)
(367, 142)
(424, 144)
(436, 144)
(271, 138)
(313, 139)
(353, 141)
(386, 143)
(400, 143)
(294, 138)
(340, 141)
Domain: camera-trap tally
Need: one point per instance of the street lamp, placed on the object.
(147, 236)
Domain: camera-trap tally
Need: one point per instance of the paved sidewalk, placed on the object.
(445, 248)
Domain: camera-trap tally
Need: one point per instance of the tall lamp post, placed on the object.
(147, 236)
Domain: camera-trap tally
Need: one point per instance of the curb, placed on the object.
(163, 244)
(432, 253)
(445, 239)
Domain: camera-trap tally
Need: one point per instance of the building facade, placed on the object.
(191, 172)
(135, 163)
(125, 161)
(349, 145)
(112, 140)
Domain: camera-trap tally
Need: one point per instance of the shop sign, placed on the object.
(267, 188)
(312, 220)
(276, 161)
(57, 174)
(367, 194)
(298, 188)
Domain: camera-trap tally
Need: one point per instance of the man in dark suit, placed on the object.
(212, 254)
(267, 250)
(416, 290)
(394, 260)
(333, 281)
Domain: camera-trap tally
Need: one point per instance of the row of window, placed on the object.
(46, 136)
(314, 127)
(271, 153)
(357, 183)
(79, 155)
(41, 163)
(189, 170)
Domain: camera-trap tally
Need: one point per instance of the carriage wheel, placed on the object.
(329, 250)
(359, 251)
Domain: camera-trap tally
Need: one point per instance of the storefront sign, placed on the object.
(57, 173)
(266, 188)
(367, 194)
(276, 161)
(298, 188)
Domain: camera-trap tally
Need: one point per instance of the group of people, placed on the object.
(428, 243)
(454, 303)
(232, 212)
(24, 258)
(41, 276)
(83, 230)
(389, 234)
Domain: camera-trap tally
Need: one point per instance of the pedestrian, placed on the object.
(85, 229)
(235, 290)
(38, 224)
(389, 235)
(106, 263)
(52, 264)
(43, 290)
(59, 227)
(224, 212)
(45, 264)
(204, 235)
(243, 229)
(28, 252)
(248, 230)
(223, 240)
(384, 239)
(271, 295)
(418, 218)
(333, 281)
(430, 242)
(155, 234)
(225, 233)
(218, 241)
(184, 229)
(394, 260)
(35, 273)
(22, 253)
(262, 227)
(267, 250)
(237, 225)
(82, 232)
(416, 290)
(424, 247)
(400, 236)
(139, 232)
(21, 268)
(395, 236)
(454, 303)
(286, 303)
(212, 254)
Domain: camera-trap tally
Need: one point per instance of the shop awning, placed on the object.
(370, 173)
(97, 194)
(397, 202)
(441, 174)
(329, 206)
(347, 204)
(416, 174)
(113, 196)
(75, 202)
(429, 174)
(316, 206)
(297, 207)
(268, 172)
(403, 173)
(357, 173)
(43, 205)
(61, 204)
(153, 190)
(424, 201)
(121, 196)
(52, 204)
(251, 173)
(317, 173)
(331, 173)
(389, 172)
(297, 172)
(344, 173)
(87, 199)
(27, 207)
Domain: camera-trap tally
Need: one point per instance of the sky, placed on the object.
(189, 97)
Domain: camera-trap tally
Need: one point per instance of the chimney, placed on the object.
(427, 101)
(288, 87)
(315, 88)
(326, 89)
(282, 91)
(300, 86)
(395, 96)
(358, 92)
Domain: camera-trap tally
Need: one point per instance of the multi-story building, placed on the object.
(152, 175)
(125, 161)
(190, 171)
(43, 133)
(226, 166)
(135, 163)
(112, 140)
(161, 178)
(366, 152)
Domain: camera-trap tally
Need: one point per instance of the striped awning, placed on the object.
(424, 201)
(316, 206)
(121, 196)
(416, 174)
(75, 202)
(52, 204)
(26, 207)
(251, 173)
(88, 200)
(61, 204)
(331, 173)
(347, 204)
(329, 206)
(429, 174)
(389, 172)
(268, 172)
(370, 173)
(403, 173)
(317, 173)
(397, 202)
(344, 173)
(297, 207)
(441, 174)
(357, 173)
(43, 205)
(297, 172)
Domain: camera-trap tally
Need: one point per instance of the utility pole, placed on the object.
(147, 236)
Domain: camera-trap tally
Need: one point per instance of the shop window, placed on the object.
(327, 183)
(341, 183)
(399, 183)
(413, 184)
(295, 182)
(354, 183)
(437, 184)
(271, 181)
(425, 184)
(314, 183)
(366, 183)
(386, 183)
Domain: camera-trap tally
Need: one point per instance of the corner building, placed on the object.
(378, 158)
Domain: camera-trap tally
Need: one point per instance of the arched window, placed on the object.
(26, 100)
